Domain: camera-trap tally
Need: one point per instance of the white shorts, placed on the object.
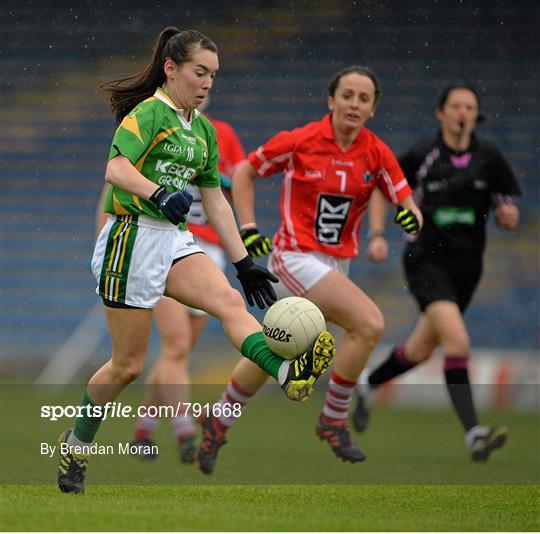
(133, 256)
(300, 271)
(217, 255)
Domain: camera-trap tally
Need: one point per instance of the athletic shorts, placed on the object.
(300, 271)
(432, 278)
(217, 255)
(133, 256)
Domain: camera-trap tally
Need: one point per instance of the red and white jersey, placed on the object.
(325, 190)
(231, 153)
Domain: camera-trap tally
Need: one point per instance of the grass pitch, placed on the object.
(269, 508)
(273, 474)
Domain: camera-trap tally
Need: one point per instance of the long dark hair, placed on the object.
(358, 69)
(172, 43)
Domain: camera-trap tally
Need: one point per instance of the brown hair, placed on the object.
(358, 69)
(172, 43)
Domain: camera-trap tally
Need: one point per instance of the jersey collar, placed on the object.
(328, 132)
(160, 94)
(472, 145)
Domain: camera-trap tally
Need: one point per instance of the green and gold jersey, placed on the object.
(166, 149)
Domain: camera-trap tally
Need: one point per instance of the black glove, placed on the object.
(407, 219)
(173, 205)
(256, 244)
(255, 281)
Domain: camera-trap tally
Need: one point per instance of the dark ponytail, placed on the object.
(172, 43)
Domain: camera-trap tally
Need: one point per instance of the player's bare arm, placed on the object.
(243, 194)
(377, 248)
(121, 173)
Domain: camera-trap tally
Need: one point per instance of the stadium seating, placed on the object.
(275, 65)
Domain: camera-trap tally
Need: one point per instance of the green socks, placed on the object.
(255, 348)
(86, 427)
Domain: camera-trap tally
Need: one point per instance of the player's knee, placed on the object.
(458, 344)
(127, 373)
(372, 327)
(230, 301)
(176, 348)
(463, 347)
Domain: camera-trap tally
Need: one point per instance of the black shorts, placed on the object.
(433, 277)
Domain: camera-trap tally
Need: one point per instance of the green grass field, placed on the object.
(274, 475)
(268, 508)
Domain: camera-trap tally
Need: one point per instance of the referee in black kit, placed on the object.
(456, 178)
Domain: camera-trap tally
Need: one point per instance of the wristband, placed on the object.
(157, 195)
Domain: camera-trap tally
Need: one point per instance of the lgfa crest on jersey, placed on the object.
(367, 177)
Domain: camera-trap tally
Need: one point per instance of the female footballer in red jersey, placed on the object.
(180, 326)
(331, 167)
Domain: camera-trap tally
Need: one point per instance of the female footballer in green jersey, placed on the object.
(145, 251)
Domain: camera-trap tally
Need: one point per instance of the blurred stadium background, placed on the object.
(276, 59)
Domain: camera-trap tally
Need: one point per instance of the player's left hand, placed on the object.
(255, 282)
(256, 244)
(407, 220)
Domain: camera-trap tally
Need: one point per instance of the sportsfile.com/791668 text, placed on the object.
(118, 409)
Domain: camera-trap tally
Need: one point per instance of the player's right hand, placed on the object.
(173, 205)
(256, 244)
(377, 249)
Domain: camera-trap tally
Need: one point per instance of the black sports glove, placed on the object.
(256, 244)
(407, 219)
(173, 205)
(255, 281)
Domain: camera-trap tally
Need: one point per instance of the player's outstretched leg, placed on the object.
(305, 370)
(482, 441)
(72, 467)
